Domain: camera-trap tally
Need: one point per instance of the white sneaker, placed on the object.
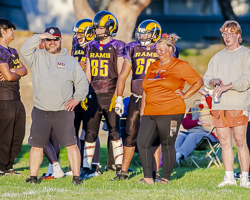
(227, 182)
(57, 171)
(244, 182)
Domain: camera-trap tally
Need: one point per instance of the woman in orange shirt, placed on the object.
(163, 106)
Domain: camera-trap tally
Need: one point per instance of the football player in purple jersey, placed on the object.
(83, 35)
(104, 63)
(12, 117)
(138, 56)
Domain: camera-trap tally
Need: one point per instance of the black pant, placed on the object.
(12, 131)
(151, 127)
(79, 117)
(98, 105)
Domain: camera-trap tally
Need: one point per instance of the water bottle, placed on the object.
(216, 98)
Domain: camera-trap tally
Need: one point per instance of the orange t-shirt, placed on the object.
(160, 84)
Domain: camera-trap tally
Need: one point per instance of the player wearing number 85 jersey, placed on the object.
(138, 56)
(104, 62)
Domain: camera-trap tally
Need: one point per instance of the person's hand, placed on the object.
(47, 35)
(180, 93)
(219, 89)
(1, 77)
(205, 123)
(83, 65)
(119, 106)
(215, 81)
(71, 104)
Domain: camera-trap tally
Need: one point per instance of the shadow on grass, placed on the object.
(24, 153)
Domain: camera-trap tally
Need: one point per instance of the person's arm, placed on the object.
(6, 74)
(21, 71)
(126, 68)
(191, 91)
(28, 49)
(81, 88)
(188, 123)
(88, 70)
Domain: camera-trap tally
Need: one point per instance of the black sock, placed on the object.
(86, 169)
(94, 166)
(76, 177)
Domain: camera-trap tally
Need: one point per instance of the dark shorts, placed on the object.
(133, 123)
(44, 122)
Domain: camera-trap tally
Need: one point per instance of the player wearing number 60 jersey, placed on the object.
(138, 56)
(104, 62)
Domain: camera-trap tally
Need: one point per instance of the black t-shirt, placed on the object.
(9, 90)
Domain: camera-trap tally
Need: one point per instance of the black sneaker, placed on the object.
(77, 180)
(110, 168)
(156, 176)
(97, 171)
(32, 180)
(118, 168)
(2, 173)
(120, 176)
(11, 172)
(238, 175)
(85, 174)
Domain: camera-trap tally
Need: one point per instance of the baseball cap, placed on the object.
(53, 31)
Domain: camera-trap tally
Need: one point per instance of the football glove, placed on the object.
(119, 106)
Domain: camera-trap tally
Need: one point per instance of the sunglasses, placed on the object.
(57, 38)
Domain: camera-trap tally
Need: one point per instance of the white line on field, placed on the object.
(34, 192)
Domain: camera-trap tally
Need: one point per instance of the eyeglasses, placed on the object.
(57, 38)
(224, 34)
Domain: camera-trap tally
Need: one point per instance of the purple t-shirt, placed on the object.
(9, 90)
(103, 64)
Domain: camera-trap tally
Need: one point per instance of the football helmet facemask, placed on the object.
(148, 32)
(107, 20)
(83, 29)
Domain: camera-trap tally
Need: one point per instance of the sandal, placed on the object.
(164, 181)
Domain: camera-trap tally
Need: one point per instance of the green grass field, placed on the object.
(186, 183)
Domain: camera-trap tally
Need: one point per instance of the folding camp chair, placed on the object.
(211, 149)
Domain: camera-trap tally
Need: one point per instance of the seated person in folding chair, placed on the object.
(196, 127)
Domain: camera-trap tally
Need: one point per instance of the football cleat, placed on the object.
(120, 176)
(32, 180)
(96, 172)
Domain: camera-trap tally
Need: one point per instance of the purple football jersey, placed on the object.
(9, 90)
(79, 53)
(140, 57)
(103, 64)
